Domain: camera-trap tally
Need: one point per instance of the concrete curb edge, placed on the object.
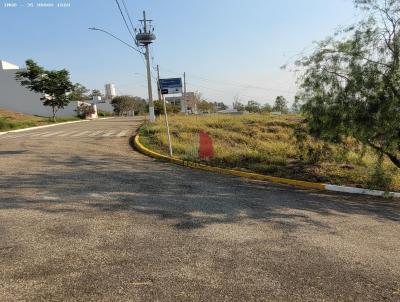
(297, 183)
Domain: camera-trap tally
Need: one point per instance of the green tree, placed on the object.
(266, 108)
(123, 104)
(79, 93)
(237, 103)
(253, 106)
(205, 106)
(296, 106)
(159, 108)
(220, 106)
(280, 105)
(140, 105)
(54, 84)
(95, 92)
(127, 103)
(351, 83)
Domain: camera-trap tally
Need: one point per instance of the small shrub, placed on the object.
(381, 178)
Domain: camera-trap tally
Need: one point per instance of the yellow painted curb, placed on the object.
(176, 160)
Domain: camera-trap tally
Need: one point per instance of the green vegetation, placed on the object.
(55, 85)
(125, 104)
(13, 120)
(104, 113)
(252, 106)
(351, 82)
(275, 145)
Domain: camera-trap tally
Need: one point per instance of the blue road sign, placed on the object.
(171, 86)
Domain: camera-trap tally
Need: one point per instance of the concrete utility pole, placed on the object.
(184, 94)
(144, 39)
(158, 83)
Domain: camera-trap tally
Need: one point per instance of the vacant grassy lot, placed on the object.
(10, 120)
(274, 145)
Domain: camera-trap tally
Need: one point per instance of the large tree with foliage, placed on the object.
(266, 108)
(296, 106)
(171, 108)
(206, 107)
(220, 106)
(351, 83)
(253, 107)
(95, 92)
(54, 84)
(79, 93)
(280, 105)
(127, 103)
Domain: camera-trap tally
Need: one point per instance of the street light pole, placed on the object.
(142, 39)
(145, 38)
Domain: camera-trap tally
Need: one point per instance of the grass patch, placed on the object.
(274, 145)
(10, 120)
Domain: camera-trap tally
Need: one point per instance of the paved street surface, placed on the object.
(83, 217)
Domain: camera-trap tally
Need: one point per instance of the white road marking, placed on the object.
(52, 133)
(95, 133)
(75, 133)
(12, 136)
(80, 134)
(108, 133)
(122, 133)
(68, 133)
(38, 134)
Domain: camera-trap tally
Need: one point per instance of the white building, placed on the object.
(15, 97)
(110, 91)
(187, 104)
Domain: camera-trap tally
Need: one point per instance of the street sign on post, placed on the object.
(171, 86)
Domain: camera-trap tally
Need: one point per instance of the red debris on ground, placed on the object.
(206, 149)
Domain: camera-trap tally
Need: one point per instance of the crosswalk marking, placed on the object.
(122, 133)
(38, 134)
(95, 133)
(52, 134)
(72, 134)
(108, 133)
(80, 133)
(13, 136)
(67, 133)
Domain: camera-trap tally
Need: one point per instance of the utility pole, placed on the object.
(144, 39)
(158, 83)
(184, 93)
(165, 111)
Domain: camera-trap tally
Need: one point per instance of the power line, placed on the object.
(127, 13)
(236, 84)
(115, 37)
(126, 23)
(224, 91)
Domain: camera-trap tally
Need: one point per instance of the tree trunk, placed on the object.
(54, 114)
(393, 158)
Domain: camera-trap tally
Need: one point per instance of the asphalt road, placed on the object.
(83, 217)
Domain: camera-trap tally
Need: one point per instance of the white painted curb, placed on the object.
(360, 191)
(51, 125)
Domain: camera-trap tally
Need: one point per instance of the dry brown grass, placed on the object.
(273, 145)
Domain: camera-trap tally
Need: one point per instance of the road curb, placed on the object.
(297, 183)
(50, 125)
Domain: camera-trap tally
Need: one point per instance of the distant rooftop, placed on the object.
(4, 65)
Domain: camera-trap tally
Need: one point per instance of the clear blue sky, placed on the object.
(229, 43)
